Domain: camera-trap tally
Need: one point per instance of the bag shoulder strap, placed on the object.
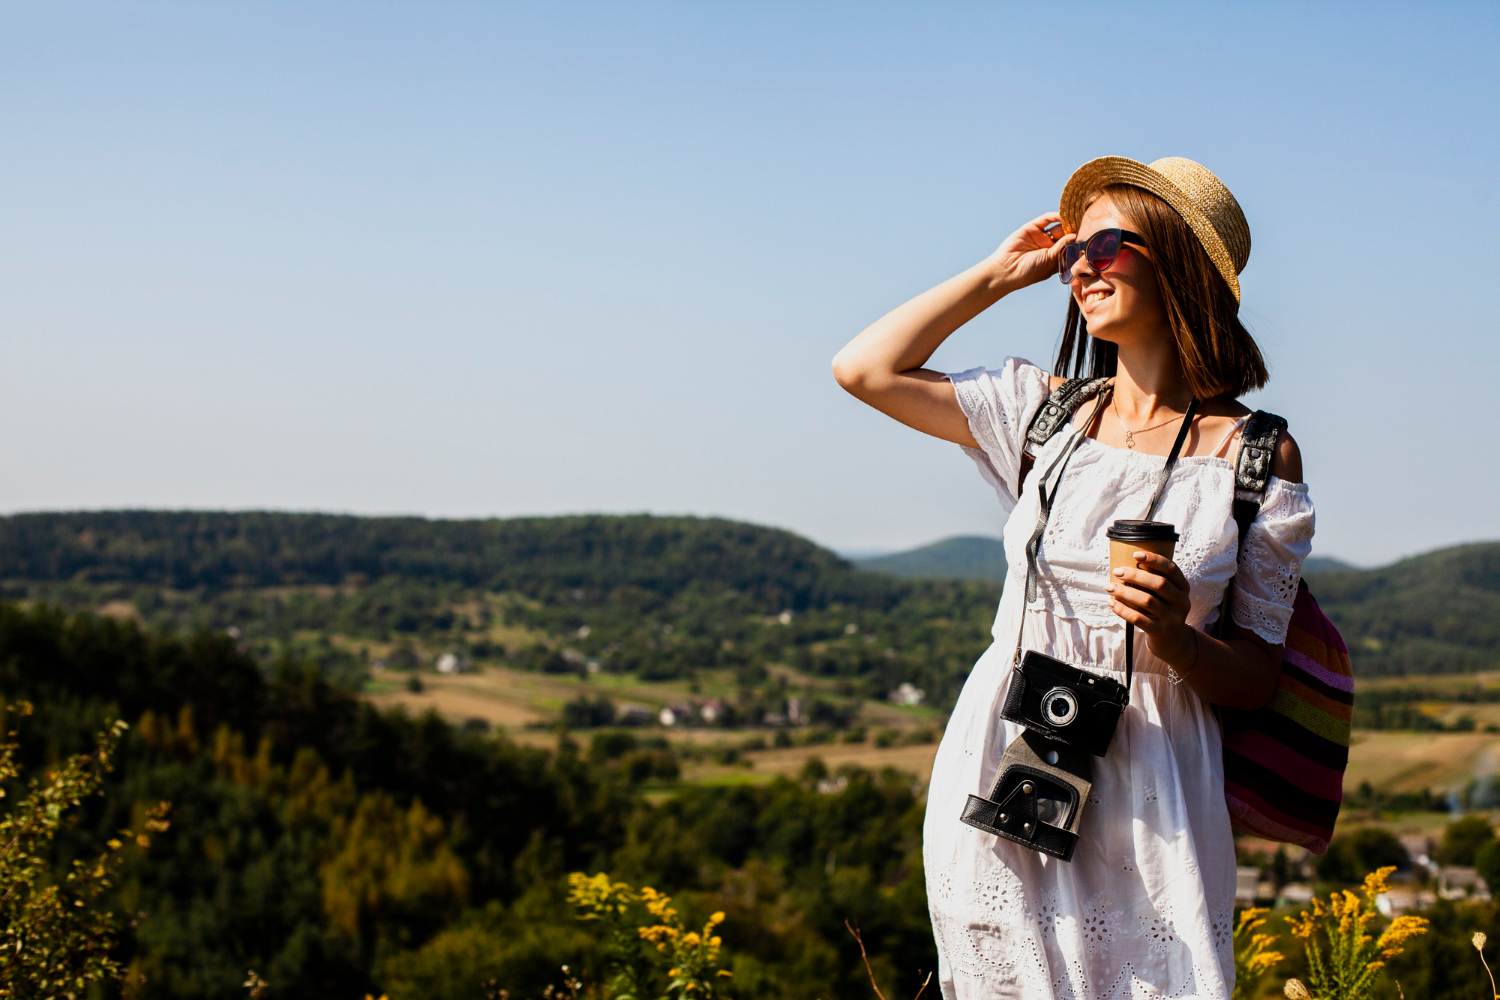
(1252, 473)
(1058, 410)
(1252, 470)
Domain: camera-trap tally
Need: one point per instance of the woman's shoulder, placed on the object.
(1286, 464)
(1016, 381)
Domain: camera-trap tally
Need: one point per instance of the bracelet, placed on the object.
(1173, 675)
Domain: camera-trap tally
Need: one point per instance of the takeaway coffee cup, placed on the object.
(1127, 537)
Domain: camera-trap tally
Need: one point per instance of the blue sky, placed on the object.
(489, 259)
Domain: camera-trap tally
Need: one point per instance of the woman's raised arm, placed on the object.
(883, 365)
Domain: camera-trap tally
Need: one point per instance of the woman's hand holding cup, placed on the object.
(1155, 597)
(1149, 591)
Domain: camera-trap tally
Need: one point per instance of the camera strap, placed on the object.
(1161, 487)
(1252, 474)
(1064, 402)
(1055, 414)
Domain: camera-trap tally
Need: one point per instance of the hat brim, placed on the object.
(1088, 179)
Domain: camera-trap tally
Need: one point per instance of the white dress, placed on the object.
(1145, 907)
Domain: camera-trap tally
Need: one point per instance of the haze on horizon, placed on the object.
(485, 260)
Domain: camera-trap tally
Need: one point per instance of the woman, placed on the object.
(1144, 909)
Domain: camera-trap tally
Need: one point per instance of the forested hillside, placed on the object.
(338, 851)
(967, 557)
(1436, 613)
(769, 570)
(658, 596)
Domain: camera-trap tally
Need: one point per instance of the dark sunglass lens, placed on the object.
(1103, 248)
(1067, 260)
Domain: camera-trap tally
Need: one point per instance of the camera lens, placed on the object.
(1060, 706)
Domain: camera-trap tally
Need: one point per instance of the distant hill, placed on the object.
(657, 597)
(1325, 564)
(967, 557)
(980, 557)
(1430, 614)
(665, 556)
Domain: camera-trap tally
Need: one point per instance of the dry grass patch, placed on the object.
(789, 761)
(1409, 762)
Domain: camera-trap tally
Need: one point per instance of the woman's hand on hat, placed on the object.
(1029, 254)
(1155, 597)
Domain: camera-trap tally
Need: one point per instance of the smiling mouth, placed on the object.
(1095, 297)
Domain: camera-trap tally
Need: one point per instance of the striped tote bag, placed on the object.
(1284, 763)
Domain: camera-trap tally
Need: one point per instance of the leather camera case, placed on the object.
(1100, 701)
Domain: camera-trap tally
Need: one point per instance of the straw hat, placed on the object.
(1191, 188)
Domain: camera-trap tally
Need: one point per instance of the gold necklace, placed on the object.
(1130, 434)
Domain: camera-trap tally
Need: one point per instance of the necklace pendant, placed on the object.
(1129, 439)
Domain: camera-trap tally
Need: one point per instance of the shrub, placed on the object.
(1488, 863)
(56, 936)
(584, 712)
(1366, 849)
(612, 745)
(1462, 841)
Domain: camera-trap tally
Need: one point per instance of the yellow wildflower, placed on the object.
(1353, 957)
(1253, 957)
(1262, 959)
(1375, 882)
(690, 957)
(597, 896)
(1401, 930)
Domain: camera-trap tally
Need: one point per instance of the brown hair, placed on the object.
(1218, 355)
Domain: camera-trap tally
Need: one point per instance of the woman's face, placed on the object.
(1121, 305)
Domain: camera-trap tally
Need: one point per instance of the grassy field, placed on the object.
(763, 765)
(527, 705)
(1409, 762)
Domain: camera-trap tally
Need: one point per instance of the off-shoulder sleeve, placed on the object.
(999, 403)
(1271, 559)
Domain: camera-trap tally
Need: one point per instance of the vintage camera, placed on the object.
(1069, 717)
(1038, 796)
(1063, 703)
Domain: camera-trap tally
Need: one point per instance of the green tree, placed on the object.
(1463, 840)
(394, 877)
(1487, 860)
(1352, 855)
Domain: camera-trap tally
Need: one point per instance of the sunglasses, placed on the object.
(1101, 251)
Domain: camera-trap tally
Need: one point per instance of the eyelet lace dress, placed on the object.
(1144, 909)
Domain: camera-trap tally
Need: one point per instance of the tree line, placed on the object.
(278, 573)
